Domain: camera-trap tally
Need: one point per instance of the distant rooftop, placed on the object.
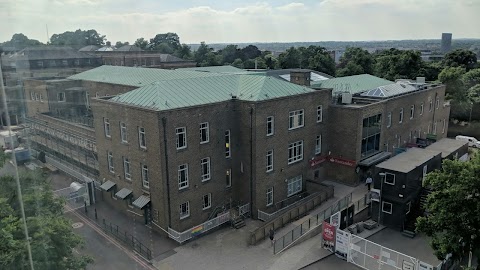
(352, 84)
(48, 52)
(446, 146)
(186, 92)
(128, 48)
(218, 69)
(389, 90)
(89, 48)
(408, 160)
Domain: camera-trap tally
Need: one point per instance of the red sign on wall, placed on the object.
(328, 236)
(317, 161)
(342, 161)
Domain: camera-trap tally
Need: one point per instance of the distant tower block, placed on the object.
(446, 42)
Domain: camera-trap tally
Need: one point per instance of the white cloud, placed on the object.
(322, 20)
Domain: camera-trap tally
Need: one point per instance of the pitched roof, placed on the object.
(285, 74)
(128, 48)
(389, 90)
(135, 76)
(218, 69)
(49, 52)
(352, 84)
(89, 48)
(171, 94)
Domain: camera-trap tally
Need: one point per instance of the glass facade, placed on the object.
(371, 135)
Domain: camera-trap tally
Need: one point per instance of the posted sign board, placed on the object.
(341, 244)
(328, 236)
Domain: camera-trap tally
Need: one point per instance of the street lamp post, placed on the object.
(382, 178)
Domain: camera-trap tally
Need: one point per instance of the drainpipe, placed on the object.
(433, 115)
(164, 124)
(251, 161)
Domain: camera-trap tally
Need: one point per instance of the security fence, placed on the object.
(76, 196)
(181, 237)
(314, 222)
(127, 238)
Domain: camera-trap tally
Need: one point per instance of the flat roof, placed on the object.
(446, 146)
(408, 160)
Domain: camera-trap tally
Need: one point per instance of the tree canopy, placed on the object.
(355, 61)
(78, 38)
(119, 44)
(20, 41)
(311, 57)
(460, 58)
(52, 236)
(397, 64)
(453, 221)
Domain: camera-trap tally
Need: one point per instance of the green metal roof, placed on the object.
(171, 94)
(218, 69)
(352, 84)
(134, 76)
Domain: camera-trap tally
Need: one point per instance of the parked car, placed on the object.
(472, 141)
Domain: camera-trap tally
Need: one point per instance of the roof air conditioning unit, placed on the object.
(346, 98)
(420, 79)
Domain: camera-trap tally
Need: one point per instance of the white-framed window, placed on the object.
(389, 119)
(412, 111)
(88, 61)
(437, 103)
(134, 62)
(269, 196)
(400, 116)
(444, 125)
(430, 108)
(123, 132)
(269, 166)
(270, 125)
(228, 152)
(389, 179)
(386, 207)
(61, 97)
(53, 63)
(409, 206)
(152, 62)
(182, 176)
(77, 62)
(425, 169)
(145, 180)
(87, 99)
(207, 201)
(185, 210)
(106, 127)
(435, 127)
(421, 108)
(318, 145)
(204, 133)
(37, 97)
(126, 168)
(110, 162)
(40, 63)
(41, 98)
(295, 119)
(205, 164)
(295, 152)
(228, 178)
(181, 134)
(142, 138)
(294, 185)
(319, 113)
(65, 62)
(32, 95)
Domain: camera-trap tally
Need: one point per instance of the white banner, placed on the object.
(342, 242)
(375, 194)
(335, 220)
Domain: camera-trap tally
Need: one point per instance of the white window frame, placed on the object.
(437, 103)
(435, 127)
(183, 183)
(142, 138)
(40, 63)
(421, 108)
(430, 106)
(389, 119)
(181, 131)
(269, 161)
(444, 125)
(106, 127)
(318, 145)
(228, 144)
(123, 132)
(412, 111)
(204, 130)
(383, 207)
(270, 125)
(209, 201)
(424, 171)
(409, 204)
(111, 168)
(205, 164)
(65, 62)
(385, 179)
(126, 169)
(41, 98)
(296, 119)
(145, 179)
(228, 178)
(294, 185)
(77, 62)
(60, 94)
(269, 194)
(37, 97)
(32, 95)
(292, 149)
(400, 119)
(187, 210)
(319, 113)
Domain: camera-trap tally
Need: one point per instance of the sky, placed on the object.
(235, 21)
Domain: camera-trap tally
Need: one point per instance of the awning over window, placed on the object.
(123, 193)
(107, 185)
(375, 159)
(141, 201)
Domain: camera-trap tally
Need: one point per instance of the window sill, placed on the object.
(183, 189)
(206, 180)
(182, 218)
(294, 162)
(180, 149)
(124, 143)
(205, 142)
(295, 128)
(207, 208)
(143, 148)
(146, 190)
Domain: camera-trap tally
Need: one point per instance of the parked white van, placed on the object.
(472, 142)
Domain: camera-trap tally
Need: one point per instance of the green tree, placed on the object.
(20, 41)
(290, 58)
(238, 63)
(230, 53)
(52, 238)
(250, 52)
(161, 42)
(396, 64)
(355, 61)
(204, 56)
(322, 62)
(78, 38)
(119, 44)
(471, 78)
(184, 52)
(451, 77)
(473, 93)
(271, 61)
(141, 43)
(460, 58)
(453, 221)
(430, 70)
